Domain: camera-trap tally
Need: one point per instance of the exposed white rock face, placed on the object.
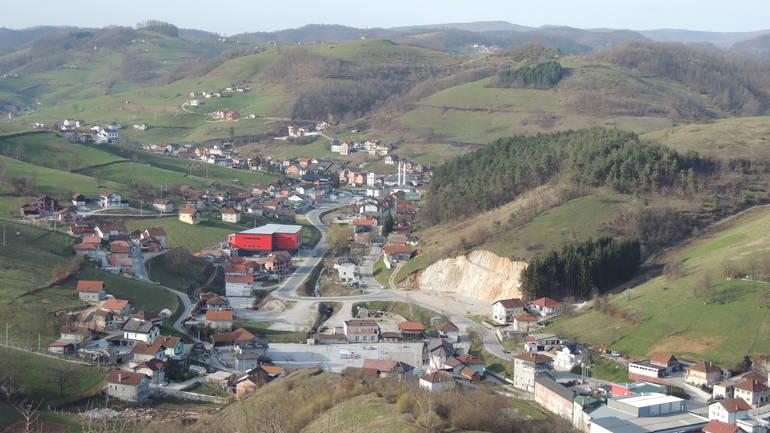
(481, 275)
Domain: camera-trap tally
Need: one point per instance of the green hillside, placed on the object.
(713, 317)
(57, 183)
(49, 150)
(743, 137)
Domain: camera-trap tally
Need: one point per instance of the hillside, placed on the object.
(706, 312)
(355, 404)
(758, 47)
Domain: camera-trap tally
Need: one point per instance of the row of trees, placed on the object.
(542, 76)
(582, 269)
(498, 173)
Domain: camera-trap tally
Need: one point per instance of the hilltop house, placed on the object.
(91, 291)
(544, 307)
(189, 215)
(396, 253)
(504, 310)
(157, 233)
(118, 307)
(658, 366)
(128, 386)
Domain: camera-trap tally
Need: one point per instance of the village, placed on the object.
(154, 355)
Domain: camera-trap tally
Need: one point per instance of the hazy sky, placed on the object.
(235, 16)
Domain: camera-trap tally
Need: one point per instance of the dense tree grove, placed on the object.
(542, 76)
(496, 174)
(581, 268)
(161, 27)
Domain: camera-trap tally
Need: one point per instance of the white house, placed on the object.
(437, 381)
(450, 331)
(106, 135)
(544, 307)
(195, 102)
(346, 271)
(140, 330)
(238, 285)
(230, 215)
(569, 356)
(111, 200)
(730, 410)
(504, 310)
(361, 331)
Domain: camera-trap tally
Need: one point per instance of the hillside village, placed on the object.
(431, 229)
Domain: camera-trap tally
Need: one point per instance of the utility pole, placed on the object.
(3, 234)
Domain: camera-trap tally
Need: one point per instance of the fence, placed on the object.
(186, 395)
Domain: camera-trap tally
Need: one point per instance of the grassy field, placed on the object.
(49, 150)
(26, 262)
(513, 230)
(381, 273)
(206, 173)
(682, 316)
(57, 183)
(193, 237)
(36, 375)
(611, 371)
(745, 137)
(374, 412)
(417, 263)
(272, 335)
(143, 296)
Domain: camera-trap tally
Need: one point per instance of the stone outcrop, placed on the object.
(479, 275)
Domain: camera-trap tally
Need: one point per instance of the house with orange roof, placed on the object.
(91, 291)
(524, 322)
(119, 307)
(729, 410)
(411, 330)
(220, 320)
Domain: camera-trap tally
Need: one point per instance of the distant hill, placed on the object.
(313, 33)
(596, 39)
(720, 39)
(11, 39)
(758, 48)
(476, 27)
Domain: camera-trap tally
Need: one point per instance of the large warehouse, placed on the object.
(269, 237)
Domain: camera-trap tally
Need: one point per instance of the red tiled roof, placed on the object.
(85, 247)
(91, 239)
(535, 358)
(662, 358)
(525, 317)
(243, 279)
(546, 302)
(705, 367)
(411, 326)
(437, 377)
(120, 247)
(752, 385)
(397, 249)
(448, 327)
(219, 316)
(511, 303)
(228, 211)
(115, 304)
(124, 377)
(715, 426)
(155, 231)
(90, 286)
(735, 405)
(382, 365)
(188, 211)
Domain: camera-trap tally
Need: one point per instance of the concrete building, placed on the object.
(220, 320)
(230, 215)
(555, 397)
(346, 271)
(128, 386)
(753, 392)
(361, 331)
(528, 366)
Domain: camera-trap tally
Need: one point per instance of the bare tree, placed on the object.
(30, 414)
(61, 375)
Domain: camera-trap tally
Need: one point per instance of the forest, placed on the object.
(498, 173)
(542, 76)
(582, 269)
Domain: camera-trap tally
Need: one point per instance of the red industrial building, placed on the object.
(270, 237)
